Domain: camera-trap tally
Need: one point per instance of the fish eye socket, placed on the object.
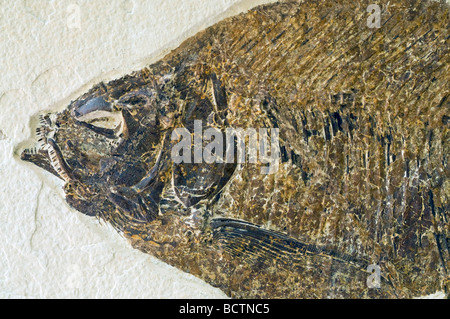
(103, 119)
(106, 123)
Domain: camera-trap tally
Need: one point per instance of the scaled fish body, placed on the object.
(363, 121)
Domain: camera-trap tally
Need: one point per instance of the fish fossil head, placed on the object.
(109, 137)
(113, 149)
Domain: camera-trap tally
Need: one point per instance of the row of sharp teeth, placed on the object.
(56, 163)
(43, 145)
(40, 134)
(41, 138)
(54, 160)
(31, 151)
(42, 120)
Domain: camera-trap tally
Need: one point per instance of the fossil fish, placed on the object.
(359, 204)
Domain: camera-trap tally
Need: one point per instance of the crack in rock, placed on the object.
(35, 214)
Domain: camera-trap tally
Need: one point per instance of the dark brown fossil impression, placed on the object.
(358, 205)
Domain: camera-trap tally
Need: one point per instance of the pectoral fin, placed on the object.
(254, 244)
